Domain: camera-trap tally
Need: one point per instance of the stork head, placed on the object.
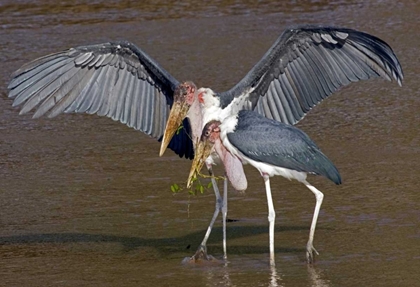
(211, 132)
(183, 99)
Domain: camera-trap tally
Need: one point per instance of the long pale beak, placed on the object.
(202, 152)
(178, 113)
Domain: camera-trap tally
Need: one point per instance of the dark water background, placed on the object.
(85, 201)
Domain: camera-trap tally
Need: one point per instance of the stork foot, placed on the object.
(310, 258)
(200, 256)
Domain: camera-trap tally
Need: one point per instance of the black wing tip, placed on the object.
(335, 176)
(181, 142)
(381, 48)
(327, 169)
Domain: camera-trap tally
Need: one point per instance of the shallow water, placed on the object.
(85, 201)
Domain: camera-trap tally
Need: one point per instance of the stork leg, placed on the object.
(309, 246)
(271, 217)
(224, 213)
(201, 253)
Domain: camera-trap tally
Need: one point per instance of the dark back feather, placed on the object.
(268, 141)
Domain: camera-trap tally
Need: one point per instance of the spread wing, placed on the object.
(306, 65)
(117, 80)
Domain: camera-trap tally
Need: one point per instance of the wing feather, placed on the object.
(310, 63)
(117, 80)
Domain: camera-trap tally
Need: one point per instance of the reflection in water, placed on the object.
(315, 277)
(218, 276)
(221, 275)
(274, 278)
(226, 276)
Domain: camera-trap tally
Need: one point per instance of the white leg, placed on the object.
(217, 209)
(309, 246)
(224, 213)
(271, 217)
(202, 249)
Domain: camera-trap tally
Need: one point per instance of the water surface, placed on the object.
(85, 201)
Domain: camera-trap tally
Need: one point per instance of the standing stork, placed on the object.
(303, 67)
(118, 80)
(272, 147)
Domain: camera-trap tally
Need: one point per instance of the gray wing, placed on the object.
(117, 80)
(269, 141)
(306, 65)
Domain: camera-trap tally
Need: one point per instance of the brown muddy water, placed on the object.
(85, 201)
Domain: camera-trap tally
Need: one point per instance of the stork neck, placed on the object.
(221, 114)
(196, 121)
(233, 166)
(211, 113)
(229, 126)
(220, 149)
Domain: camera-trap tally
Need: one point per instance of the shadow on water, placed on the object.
(218, 273)
(165, 245)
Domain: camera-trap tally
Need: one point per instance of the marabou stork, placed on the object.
(304, 66)
(118, 80)
(272, 147)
